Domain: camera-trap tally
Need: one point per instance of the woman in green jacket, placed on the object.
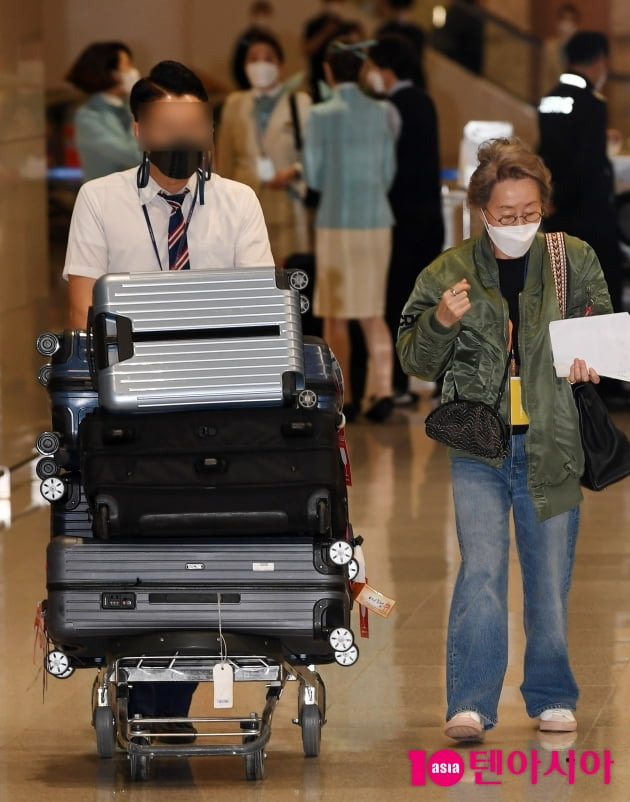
(477, 305)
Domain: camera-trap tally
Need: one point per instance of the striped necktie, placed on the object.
(177, 240)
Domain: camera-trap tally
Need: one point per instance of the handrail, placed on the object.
(484, 15)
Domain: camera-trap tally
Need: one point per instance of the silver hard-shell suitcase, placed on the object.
(184, 339)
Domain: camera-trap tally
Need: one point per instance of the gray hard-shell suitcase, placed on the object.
(283, 589)
(185, 339)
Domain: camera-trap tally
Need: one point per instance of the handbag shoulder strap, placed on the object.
(558, 255)
(295, 121)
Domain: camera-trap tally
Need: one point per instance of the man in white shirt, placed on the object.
(169, 213)
(120, 222)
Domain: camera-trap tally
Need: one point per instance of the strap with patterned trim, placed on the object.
(558, 255)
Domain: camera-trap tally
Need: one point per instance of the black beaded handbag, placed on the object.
(606, 448)
(471, 426)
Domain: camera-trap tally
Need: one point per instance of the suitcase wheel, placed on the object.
(305, 304)
(47, 443)
(341, 639)
(53, 488)
(57, 664)
(298, 279)
(347, 658)
(340, 552)
(307, 399)
(44, 374)
(311, 724)
(46, 467)
(101, 522)
(353, 570)
(47, 344)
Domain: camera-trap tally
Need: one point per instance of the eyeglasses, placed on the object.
(512, 219)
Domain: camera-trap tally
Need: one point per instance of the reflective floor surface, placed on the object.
(390, 702)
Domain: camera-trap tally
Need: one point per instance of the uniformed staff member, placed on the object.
(168, 214)
(573, 123)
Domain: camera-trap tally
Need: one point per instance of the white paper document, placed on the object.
(603, 341)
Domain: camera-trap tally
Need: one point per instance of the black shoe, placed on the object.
(380, 410)
(350, 412)
(183, 733)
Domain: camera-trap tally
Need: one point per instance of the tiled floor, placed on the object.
(390, 702)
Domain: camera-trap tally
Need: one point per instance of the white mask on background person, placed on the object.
(566, 29)
(128, 78)
(374, 79)
(513, 241)
(262, 74)
(601, 81)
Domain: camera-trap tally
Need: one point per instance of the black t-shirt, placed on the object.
(511, 282)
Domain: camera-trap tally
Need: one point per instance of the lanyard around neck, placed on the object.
(183, 238)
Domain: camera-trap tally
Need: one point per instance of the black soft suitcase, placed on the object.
(215, 472)
(71, 515)
(282, 588)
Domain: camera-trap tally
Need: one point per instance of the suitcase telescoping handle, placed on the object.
(110, 340)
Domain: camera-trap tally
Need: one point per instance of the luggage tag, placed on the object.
(373, 599)
(223, 679)
(264, 168)
(345, 456)
(222, 672)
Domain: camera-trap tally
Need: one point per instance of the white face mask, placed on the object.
(566, 28)
(601, 81)
(513, 241)
(128, 79)
(262, 74)
(374, 79)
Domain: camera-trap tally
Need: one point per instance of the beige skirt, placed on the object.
(351, 272)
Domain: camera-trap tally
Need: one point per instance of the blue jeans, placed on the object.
(478, 620)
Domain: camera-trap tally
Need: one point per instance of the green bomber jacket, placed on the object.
(471, 355)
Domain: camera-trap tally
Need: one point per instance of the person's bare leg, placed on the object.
(380, 348)
(336, 334)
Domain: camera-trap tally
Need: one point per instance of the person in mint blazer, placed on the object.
(349, 159)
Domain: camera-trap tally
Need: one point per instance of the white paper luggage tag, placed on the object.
(223, 678)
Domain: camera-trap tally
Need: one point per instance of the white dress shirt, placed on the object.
(109, 232)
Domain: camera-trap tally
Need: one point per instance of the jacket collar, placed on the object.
(576, 79)
(488, 269)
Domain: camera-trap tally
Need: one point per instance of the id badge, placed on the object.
(265, 169)
(518, 414)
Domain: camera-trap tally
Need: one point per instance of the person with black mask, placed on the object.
(170, 213)
(415, 196)
(121, 222)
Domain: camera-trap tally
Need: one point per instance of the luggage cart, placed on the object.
(253, 659)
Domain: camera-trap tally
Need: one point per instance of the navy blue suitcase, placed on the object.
(72, 395)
